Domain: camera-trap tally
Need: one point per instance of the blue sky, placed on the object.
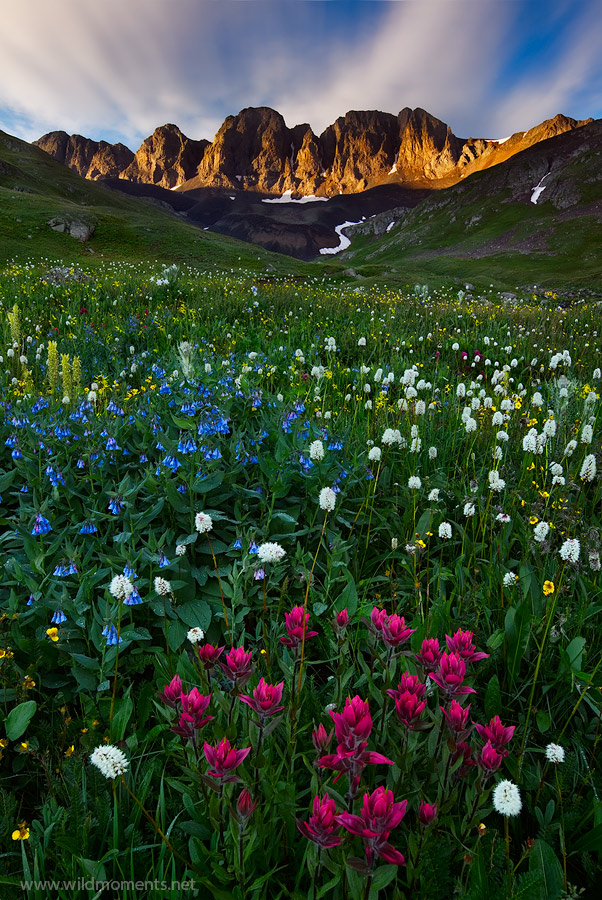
(116, 69)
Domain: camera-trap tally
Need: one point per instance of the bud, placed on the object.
(321, 739)
(244, 807)
(427, 813)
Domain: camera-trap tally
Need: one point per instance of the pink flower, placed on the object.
(322, 824)
(172, 692)
(375, 624)
(450, 676)
(354, 724)
(394, 632)
(497, 734)
(410, 684)
(209, 655)
(427, 813)
(429, 655)
(408, 709)
(237, 666)
(463, 751)
(340, 623)
(296, 624)
(244, 807)
(489, 760)
(379, 816)
(456, 718)
(461, 643)
(321, 738)
(265, 699)
(194, 705)
(223, 759)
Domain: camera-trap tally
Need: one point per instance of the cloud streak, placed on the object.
(119, 69)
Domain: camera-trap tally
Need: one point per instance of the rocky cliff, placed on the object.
(256, 151)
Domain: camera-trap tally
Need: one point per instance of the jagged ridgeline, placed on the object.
(256, 151)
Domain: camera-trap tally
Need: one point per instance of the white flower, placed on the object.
(374, 454)
(540, 532)
(328, 499)
(469, 509)
(555, 753)
(587, 434)
(432, 453)
(470, 425)
(110, 760)
(455, 346)
(394, 543)
(570, 448)
(195, 635)
(162, 587)
(445, 530)
(203, 523)
(414, 483)
(510, 579)
(316, 451)
(361, 342)
(594, 560)
(270, 552)
(506, 799)
(121, 587)
(588, 469)
(569, 551)
(180, 549)
(391, 436)
(433, 496)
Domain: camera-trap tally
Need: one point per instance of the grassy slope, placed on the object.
(514, 242)
(35, 188)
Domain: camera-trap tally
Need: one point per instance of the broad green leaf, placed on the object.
(19, 718)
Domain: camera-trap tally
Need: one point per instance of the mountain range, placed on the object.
(256, 151)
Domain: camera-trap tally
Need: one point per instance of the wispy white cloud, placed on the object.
(122, 67)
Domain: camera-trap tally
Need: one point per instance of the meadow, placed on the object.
(301, 592)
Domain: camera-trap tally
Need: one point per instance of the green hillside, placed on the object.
(35, 188)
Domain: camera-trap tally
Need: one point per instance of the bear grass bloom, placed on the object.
(110, 761)
(506, 799)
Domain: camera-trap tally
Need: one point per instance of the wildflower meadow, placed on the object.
(300, 588)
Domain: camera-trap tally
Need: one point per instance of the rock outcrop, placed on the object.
(256, 151)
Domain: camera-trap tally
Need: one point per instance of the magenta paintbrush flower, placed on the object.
(322, 824)
(265, 699)
(456, 718)
(172, 692)
(296, 624)
(379, 816)
(461, 643)
(408, 709)
(394, 632)
(408, 683)
(354, 724)
(427, 813)
(237, 666)
(497, 734)
(321, 738)
(244, 807)
(223, 759)
(429, 655)
(209, 655)
(489, 760)
(452, 670)
(340, 623)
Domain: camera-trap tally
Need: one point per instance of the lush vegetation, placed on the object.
(196, 466)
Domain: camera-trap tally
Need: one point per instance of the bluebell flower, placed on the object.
(182, 489)
(59, 617)
(129, 572)
(237, 545)
(88, 528)
(115, 505)
(134, 599)
(60, 571)
(163, 560)
(80, 463)
(258, 574)
(110, 632)
(31, 600)
(253, 548)
(42, 525)
(143, 458)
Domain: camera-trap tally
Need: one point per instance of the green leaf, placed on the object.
(19, 718)
(573, 654)
(544, 720)
(517, 625)
(383, 876)
(590, 842)
(195, 614)
(493, 698)
(204, 485)
(543, 861)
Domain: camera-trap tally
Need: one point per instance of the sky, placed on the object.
(117, 69)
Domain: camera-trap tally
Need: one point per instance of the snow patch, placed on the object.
(344, 241)
(393, 169)
(539, 189)
(232, 198)
(287, 197)
(238, 177)
(390, 226)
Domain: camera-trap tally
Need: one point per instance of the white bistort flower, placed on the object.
(506, 799)
(374, 454)
(203, 523)
(540, 532)
(270, 552)
(414, 483)
(162, 587)
(588, 469)
(445, 530)
(555, 753)
(180, 549)
(327, 499)
(316, 451)
(110, 760)
(121, 587)
(195, 635)
(510, 579)
(569, 551)
(469, 509)
(587, 434)
(433, 496)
